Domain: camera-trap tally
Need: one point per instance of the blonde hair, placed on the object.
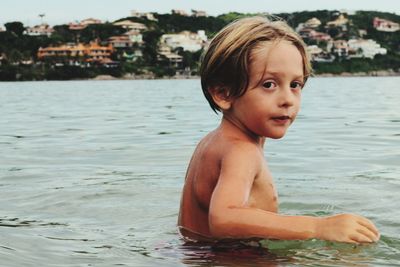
(226, 61)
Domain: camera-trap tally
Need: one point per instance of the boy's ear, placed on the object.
(221, 97)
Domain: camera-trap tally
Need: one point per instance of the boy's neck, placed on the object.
(240, 131)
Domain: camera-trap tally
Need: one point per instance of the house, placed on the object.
(165, 54)
(133, 56)
(385, 25)
(39, 30)
(135, 36)
(308, 33)
(338, 47)
(121, 41)
(127, 40)
(130, 25)
(312, 23)
(98, 53)
(90, 21)
(198, 13)
(319, 55)
(90, 53)
(76, 26)
(146, 15)
(365, 48)
(340, 22)
(188, 41)
(179, 12)
(2, 58)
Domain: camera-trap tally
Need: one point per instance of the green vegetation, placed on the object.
(19, 58)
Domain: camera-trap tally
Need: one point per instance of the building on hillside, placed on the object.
(362, 32)
(120, 42)
(77, 53)
(385, 25)
(319, 55)
(188, 41)
(312, 23)
(365, 48)
(135, 36)
(311, 34)
(90, 21)
(126, 40)
(165, 54)
(339, 48)
(341, 20)
(76, 26)
(39, 30)
(80, 25)
(146, 15)
(130, 25)
(199, 13)
(179, 12)
(132, 56)
(2, 58)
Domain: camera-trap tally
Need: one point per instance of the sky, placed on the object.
(65, 11)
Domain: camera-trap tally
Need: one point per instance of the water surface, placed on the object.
(91, 172)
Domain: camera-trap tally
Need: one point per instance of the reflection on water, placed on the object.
(91, 172)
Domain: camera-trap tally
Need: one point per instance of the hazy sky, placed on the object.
(64, 11)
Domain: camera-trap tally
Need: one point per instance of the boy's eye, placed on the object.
(296, 85)
(269, 85)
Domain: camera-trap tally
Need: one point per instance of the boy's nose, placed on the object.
(287, 98)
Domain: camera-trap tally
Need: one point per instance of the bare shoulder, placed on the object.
(244, 152)
(242, 157)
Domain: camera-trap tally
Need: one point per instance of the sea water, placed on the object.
(91, 172)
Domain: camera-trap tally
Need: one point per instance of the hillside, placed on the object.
(20, 58)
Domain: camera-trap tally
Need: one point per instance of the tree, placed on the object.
(15, 27)
(151, 39)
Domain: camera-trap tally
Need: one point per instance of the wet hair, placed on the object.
(225, 63)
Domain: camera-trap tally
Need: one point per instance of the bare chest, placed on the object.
(263, 194)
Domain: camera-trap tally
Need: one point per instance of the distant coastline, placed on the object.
(381, 73)
(169, 46)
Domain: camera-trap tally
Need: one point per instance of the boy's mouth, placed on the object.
(281, 119)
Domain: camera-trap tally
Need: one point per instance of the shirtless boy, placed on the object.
(253, 73)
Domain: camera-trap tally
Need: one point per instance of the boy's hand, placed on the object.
(347, 228)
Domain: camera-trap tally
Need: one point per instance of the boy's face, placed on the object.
(272, 99)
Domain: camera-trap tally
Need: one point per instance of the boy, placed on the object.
(253, 72)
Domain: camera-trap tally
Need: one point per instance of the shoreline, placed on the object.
(381, 73)
(130, 77)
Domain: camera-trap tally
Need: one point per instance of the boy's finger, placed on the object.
(368, 233)
(368, 224)
(360, 238)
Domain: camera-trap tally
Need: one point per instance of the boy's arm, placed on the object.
(231, 217)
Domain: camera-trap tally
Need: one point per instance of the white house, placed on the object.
(135, 36)
(198, 13)
(312, 23)
(91, 21)
(338, 47)
(165, 53)
(187, 40)
(127, 24)
(365, 48)
(38, 30)
(146, 15)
